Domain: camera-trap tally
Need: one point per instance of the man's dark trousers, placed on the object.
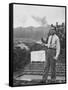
(50, 64)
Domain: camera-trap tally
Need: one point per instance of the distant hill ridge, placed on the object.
(34, 33)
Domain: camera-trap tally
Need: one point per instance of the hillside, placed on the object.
(34, 33)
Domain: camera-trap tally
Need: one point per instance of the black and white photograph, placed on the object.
(38, 44)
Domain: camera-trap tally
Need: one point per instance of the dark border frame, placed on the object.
(11, 41)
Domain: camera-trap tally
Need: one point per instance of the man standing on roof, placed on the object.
(53, 51)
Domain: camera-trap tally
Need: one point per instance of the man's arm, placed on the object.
(57, 49)
(48, 44)
(43, 40)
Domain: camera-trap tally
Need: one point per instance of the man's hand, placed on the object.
(43, 44)
(55, 58)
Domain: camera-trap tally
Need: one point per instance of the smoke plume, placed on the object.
(41, 21)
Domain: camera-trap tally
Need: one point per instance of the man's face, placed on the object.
(52, 32)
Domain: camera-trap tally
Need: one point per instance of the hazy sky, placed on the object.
(27, 15)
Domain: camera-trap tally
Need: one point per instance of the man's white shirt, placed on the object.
(54, 44)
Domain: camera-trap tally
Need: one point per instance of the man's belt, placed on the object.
(52, 48)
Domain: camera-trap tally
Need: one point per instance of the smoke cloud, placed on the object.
(41, 21)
